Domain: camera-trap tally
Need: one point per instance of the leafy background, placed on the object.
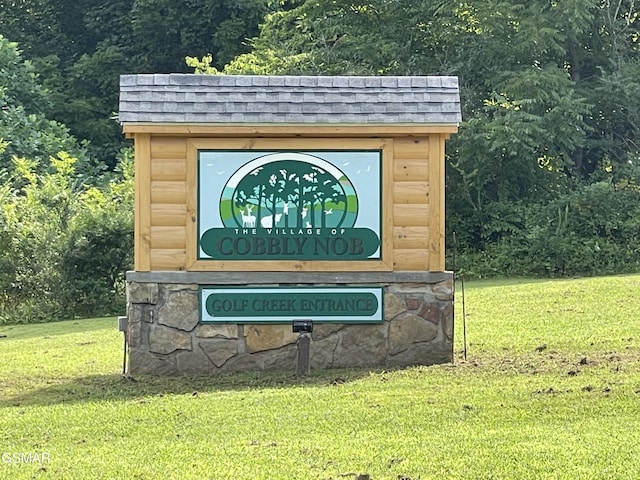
(542, 178)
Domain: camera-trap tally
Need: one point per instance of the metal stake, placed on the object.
(304, 354)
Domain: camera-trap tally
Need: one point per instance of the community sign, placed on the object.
(289, 205)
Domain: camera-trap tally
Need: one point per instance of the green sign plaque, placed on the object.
(283, 305)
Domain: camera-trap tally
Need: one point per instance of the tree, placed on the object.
(550, 90)
(81, 48)
(25, 129)
(32, 24)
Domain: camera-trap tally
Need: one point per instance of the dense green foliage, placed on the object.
(551, 108)
(65, 246)
(543, 177)
(589, 231)
(65, 224)
(80, 47)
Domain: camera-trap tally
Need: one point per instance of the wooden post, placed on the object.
(304, 351)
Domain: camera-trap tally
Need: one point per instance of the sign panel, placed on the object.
(289, 205)
(283, 305)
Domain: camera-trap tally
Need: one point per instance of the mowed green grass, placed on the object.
(550, 390)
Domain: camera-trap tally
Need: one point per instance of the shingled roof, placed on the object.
(241, 99)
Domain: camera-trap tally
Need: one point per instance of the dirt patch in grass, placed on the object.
(550, 361)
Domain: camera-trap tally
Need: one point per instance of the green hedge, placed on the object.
(594, 230)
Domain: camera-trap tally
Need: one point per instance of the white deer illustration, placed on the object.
(267, 222)
(248, 220)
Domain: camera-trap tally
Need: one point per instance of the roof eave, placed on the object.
(288, 129)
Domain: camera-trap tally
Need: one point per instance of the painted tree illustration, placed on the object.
(308, 185)
(289, 191)
(330, 191)
(249, 192)
(273, 195)
(287, 184)
(302, 185)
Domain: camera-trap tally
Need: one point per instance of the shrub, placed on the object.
(99, 249)
(65, 247)
(590, 231)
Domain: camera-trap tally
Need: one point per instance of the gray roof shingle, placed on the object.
(223, 99)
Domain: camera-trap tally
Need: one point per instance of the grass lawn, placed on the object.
(550, 390)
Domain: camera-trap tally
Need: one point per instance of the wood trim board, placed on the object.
(384, 145)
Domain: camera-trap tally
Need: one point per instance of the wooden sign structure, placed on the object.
(258, 195)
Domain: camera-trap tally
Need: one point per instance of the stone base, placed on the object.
(166, 337)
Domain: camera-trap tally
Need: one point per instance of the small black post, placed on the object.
(123, 326)
(304, 328)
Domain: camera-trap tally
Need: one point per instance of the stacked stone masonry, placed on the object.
(166, 337)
